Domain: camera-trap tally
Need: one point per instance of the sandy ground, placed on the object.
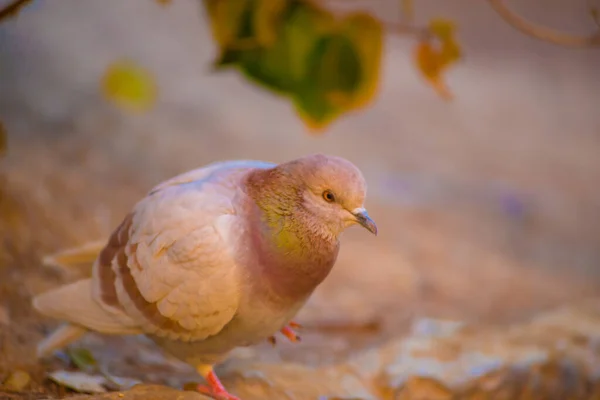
(487, 206)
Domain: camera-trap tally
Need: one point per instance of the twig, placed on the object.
(595, 14)
(541, 32)
(12, 9)
(406, 29)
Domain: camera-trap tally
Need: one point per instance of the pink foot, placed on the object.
(215, 388)
(288, 332)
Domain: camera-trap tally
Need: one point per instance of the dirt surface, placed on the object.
(487, 210)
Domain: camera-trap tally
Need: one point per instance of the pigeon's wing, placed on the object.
(210, 171)
(171, 264)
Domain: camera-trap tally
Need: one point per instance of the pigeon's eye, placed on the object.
(329, 196)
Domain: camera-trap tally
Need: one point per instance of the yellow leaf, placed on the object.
(442, 28)
(434, 57)
(17, 381)
(449, 50)
(266, 20)
(427, 60)
(226, 18)
(164, 2)
(431, 66)
(129, 86)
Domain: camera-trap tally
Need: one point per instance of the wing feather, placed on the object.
(171, 264)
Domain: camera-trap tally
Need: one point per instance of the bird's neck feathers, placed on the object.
(284, 216)
(295, 246)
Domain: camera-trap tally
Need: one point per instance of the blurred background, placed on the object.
(488, 206)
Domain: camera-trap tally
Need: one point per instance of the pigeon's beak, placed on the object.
(362, 217)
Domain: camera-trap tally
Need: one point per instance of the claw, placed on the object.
(296, 325)
(290, 334)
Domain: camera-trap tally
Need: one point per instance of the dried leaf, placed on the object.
(129, 86)
(79, 381)
(164, 2)
(433, 58)
(595, 13)
(429, 64)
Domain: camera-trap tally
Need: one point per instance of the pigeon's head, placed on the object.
(332, 190)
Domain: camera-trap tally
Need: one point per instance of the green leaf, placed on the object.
(297, 49)
(304, 27)
(83, 359)
(332, 77)
(316, 110)
(366, 34)
(282, 66)
(343, 71)
(267, 19)
(334, 65)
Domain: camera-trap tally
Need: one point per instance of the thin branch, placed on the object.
(595, 15)
(400, 28)
(12, 9)
(541, 32)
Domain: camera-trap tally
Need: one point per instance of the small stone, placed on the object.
(79, 381)
(17, 381)
(421, 388)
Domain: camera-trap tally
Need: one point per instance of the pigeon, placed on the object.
(219, 257)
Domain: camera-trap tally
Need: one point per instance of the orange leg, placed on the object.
(288, 332)
(215, 388)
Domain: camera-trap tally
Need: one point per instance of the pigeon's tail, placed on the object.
(74, 304)
(76, 261)
(58, 339)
